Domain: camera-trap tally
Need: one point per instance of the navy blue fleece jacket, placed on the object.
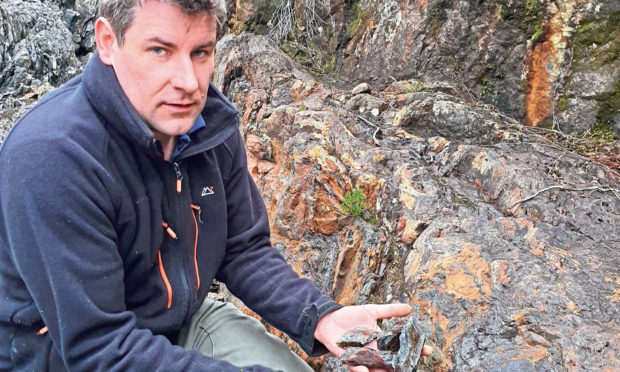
(87, 253)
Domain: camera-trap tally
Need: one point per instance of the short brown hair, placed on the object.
(120, 13)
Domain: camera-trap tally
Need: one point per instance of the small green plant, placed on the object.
(373, 220)
(354, 203)
(537, 32)
(302, 108)
(415, 87)
(356, 20)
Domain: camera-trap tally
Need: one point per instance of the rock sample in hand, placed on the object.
(371, 358)
(399, 346)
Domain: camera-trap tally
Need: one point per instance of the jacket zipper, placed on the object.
(197, 209)
(162, 272)
(178, 220)
(179, 175)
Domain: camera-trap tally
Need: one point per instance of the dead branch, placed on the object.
(377, 129)
(616, 192)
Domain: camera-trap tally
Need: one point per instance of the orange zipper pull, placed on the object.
(177, 170)
(169, 230)
(42, 331)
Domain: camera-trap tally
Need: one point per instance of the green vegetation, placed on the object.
(609, 105)
(562, 104)
(499, 12)
(356, 20)
(596, 140)
(537, 32)
(414, 87)
(597, 42)
(487, 80)
(302, 108)
(359, 23)
(602, 134)
(354, 203)
(308, 55)
(530, 18)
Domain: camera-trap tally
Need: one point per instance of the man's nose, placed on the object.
(184, 75)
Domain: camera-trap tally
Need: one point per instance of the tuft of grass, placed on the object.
(414, 87)
(354, 203)
(537, 32)
(355, 22)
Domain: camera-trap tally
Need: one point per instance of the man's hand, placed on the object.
(333, 325)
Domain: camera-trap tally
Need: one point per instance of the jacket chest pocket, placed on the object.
(210, 223)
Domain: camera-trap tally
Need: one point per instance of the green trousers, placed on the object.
(220, 331)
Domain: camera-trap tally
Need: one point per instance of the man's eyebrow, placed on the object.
(165, 43)
(155, 39)
(208, 44)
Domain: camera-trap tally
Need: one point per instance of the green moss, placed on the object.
(356, 20)
(524, 86)
(562, 104)
(499, 12)
(537, 32)
(602, 134)
(436, 20)
(609, 105)
(414, 87)
(258, 22)
(529, 17)
(486, 81)
(597, 43)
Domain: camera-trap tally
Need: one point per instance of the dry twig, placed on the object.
(377, 129)
(616, 192)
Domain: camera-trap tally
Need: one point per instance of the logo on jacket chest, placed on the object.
(207, 190)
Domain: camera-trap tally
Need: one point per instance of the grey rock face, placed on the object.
(515, 55)
(42, 45)
(592, 92)
(36, 48)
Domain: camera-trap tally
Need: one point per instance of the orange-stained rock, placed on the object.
(498, 281)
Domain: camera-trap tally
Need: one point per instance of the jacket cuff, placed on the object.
(311, 316)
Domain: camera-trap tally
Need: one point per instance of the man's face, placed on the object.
(165, 64)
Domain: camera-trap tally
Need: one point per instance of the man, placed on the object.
(123, 194)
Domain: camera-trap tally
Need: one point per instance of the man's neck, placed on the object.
(167, 144)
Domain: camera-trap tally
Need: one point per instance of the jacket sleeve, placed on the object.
(56, 223)
(255, 272)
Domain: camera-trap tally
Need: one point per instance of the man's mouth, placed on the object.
(179, 107)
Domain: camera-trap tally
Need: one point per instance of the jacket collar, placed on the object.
(105, 94)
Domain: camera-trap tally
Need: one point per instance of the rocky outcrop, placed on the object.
(42, 45)
(529, 58)
(501, 279)
(504, 242)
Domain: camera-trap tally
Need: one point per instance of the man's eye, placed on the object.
(201, 53)
(157, 51)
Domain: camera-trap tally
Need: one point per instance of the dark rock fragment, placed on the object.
(389, 341)
(411, 343)
(358, 337)
(393, 325)
(371, 358)
(400, 345)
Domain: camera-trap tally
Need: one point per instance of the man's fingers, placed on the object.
(357, 369)
(389, 310)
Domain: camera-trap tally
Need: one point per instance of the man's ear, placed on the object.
(106, 40)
